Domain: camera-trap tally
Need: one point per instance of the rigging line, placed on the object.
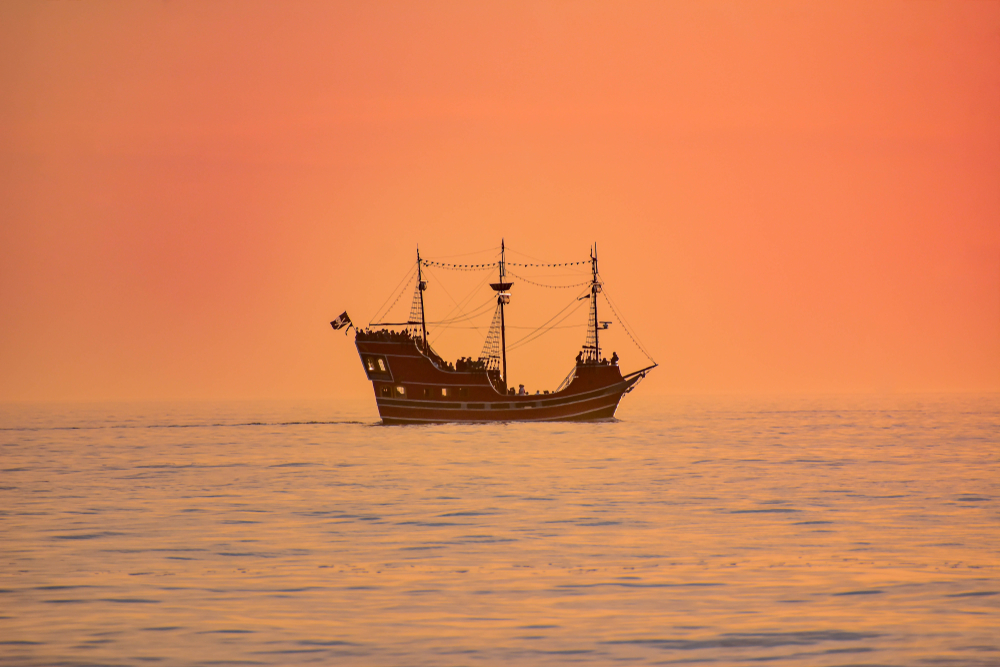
(408, 278)
(479, 310)
(552, 265)
(459, 305)
(542, 262)
(518, 252)
(627, 332)
(442, 286)
(625, 323)
(575, 301)
(542, 285)
(531, 338)
(459, 267)
(568, 326)
(462, 254)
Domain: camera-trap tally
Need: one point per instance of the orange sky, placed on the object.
(787, 196)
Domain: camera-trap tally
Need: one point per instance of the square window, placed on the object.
(400, 391)
(444, 392)
(386, 391)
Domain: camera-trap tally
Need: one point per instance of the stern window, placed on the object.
(401, 391)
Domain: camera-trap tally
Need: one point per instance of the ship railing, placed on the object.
(569, 379)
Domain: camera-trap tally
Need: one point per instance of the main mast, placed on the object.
(502, 289)
(421, 286)
(503, 333)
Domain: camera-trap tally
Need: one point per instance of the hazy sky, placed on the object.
(786, 196)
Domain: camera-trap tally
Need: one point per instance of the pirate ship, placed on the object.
(413, 384)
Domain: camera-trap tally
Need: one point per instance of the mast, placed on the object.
(503, 333)
(595, 287)
(421, 286)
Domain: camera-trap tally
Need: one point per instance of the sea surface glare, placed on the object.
(799, 531)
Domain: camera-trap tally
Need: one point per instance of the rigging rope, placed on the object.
(490, 265)
(459, 267)
(408, 278)
(541, 262)
(625, 327)
(531, 338)
(464, 317)
(460, 304)
(466, 254)
(621, 318)
(511, 273)
(547, 265)
(538, 332)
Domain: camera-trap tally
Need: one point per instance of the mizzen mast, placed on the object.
(595, 288)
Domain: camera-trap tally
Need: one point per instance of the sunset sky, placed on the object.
(786, 196)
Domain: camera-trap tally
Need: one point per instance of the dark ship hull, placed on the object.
(414, 388)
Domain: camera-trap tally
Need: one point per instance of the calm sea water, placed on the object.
(800, 531)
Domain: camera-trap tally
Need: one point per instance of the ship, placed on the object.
(413, 384)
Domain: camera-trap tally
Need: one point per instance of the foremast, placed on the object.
(421, 287)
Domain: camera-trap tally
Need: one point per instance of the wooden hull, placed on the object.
(412, 388)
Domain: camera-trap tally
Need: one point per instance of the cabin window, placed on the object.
(401, 391)
(376, 367)
(386, 391)
(463, 392)
(425, 392)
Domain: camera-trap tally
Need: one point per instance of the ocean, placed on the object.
(820, 531)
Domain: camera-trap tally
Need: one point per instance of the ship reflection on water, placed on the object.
(841, 531)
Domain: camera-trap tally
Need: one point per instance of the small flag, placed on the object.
(342, 321)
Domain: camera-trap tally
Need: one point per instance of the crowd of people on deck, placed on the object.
(468, 364)
(584, 359)
(385, 335)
